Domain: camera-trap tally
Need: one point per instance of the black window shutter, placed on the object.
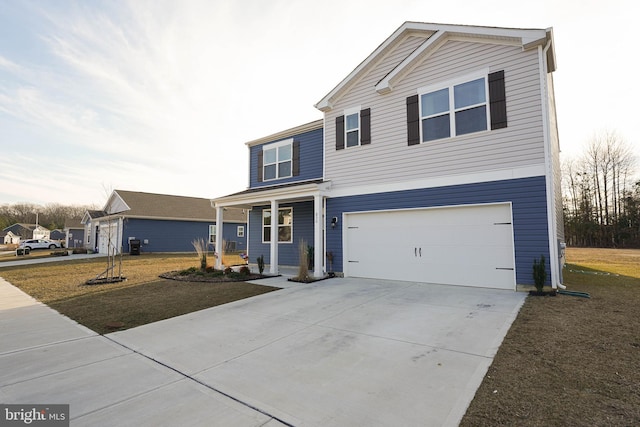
(260, 164)
(497, 100)
(339, 132)
(365, 126)
(295, 168)
(413, 120)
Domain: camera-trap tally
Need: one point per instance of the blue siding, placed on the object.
(287, 252)
(528, 197)
(311, 153)
(174, 236)
(77, 240)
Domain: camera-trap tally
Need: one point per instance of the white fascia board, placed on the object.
(109, 207)
(307, 127)
(326, 103)
(86, 218)
(410, 62)
(281, 193)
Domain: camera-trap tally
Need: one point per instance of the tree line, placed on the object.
(51, 216)
(601, 195)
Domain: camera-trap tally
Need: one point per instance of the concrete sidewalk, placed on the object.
(334, 353)
(25, 260)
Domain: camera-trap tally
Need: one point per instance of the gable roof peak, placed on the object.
(432, 33)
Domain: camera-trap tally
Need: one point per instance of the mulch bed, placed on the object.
(212, 278)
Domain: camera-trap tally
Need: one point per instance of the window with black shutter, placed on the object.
(353, 128)
(461, 107)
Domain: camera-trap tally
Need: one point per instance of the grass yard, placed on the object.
(141, 299)
(569, 361)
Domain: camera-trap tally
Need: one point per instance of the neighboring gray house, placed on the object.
(437, 160)
(74, 233)
(162, 223)
(58, 235)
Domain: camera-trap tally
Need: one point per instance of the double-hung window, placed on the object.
(285, 225)
(212, 233)
(277, 160)
(352, 128)
(457, 109)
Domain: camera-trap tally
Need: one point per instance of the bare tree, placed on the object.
(596, 188)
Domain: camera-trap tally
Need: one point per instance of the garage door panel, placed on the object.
(461, 245)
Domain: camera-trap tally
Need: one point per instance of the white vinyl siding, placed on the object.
(518, 145)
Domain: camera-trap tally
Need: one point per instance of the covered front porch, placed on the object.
(300, 216)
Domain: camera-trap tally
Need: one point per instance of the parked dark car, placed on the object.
(40, 244)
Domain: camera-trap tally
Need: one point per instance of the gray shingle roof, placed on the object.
(163, 206)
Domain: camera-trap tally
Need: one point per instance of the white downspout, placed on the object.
(551, 208)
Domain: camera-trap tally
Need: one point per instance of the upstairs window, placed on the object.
(277, 160)
(461, 107)
(469, 113)
(353, 128)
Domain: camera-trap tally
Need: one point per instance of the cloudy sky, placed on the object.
(160, 96)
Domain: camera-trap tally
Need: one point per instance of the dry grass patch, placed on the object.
(141, 299)
(571, 361)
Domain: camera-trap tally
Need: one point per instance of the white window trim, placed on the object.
(240, 231)
(212, 236)
(349, 112)
(277, 145)
(449, 84)
(291, 225)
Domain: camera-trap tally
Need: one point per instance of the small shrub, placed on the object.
(228, 271)
(261, 263)
(310, 257)
(201, 249)
(330, 260)
(210, 269)
(303, 262)
(539, 273)
(244, 270)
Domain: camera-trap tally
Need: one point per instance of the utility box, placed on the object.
(134, 247)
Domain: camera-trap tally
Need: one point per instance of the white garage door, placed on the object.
(471, 245)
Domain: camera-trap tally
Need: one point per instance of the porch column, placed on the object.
(318, 242)
(273, 264)
(219, 222)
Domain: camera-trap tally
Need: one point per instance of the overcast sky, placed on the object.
(160, 96)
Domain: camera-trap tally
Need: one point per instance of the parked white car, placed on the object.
(39, 244)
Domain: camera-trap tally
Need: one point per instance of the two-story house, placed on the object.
(437, 161)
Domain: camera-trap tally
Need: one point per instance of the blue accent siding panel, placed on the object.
(287, 252)
(173, 236)
(527, 195)
(311, 154)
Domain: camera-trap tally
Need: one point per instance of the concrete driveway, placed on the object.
(335, 353)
